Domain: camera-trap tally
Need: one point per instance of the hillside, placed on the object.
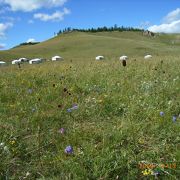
(77, 45)
(87, 119)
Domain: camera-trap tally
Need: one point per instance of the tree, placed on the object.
(101, 29)
(115, 27)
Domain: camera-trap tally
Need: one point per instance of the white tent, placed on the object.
(23, 59)
(147, 56)
(57, 58)
(2, 63)
(35, 61)
(99, 57)
(16, 61)
(123, 58)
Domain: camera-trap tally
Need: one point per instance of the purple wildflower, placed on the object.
(174, 118)
(62, 130)
(75, 106)
(161, 113)
(69, 150)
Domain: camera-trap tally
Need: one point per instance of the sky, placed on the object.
(38, 20)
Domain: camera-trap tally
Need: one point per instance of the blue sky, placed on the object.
(37, 20)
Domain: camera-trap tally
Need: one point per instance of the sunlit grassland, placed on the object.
(78, 45)
(117, 123)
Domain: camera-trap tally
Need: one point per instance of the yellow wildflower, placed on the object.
(12, 142)
(147, 172)
(100, 101)
(141, 140)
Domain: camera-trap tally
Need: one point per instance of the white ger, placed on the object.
(2, 63)
(16, 61)
(35, 61)
(23, 59)
(147, 56)
(99, 57)
(123, 58)
(57, 58)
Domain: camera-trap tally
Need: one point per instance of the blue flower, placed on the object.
(69, 150)
(161, 113)
(174, 118)
(74, 107)
(69, 110)
(30, 91)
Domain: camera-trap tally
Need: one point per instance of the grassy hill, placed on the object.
(121, 122)
(77, 45)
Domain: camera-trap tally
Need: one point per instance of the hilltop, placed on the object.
(75, 45)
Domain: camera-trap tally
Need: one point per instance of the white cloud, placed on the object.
(2, 46)
(172, 16)
(30, 5)
(4, 27)
(31, 40)
(171, 23)
(57, 16)
(173, 27)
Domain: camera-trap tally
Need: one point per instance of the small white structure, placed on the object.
(23, 59)
(2, 63)
(35, 61)
(123, 58)
(99, 57)
(148, 56)
(16, 61)
(57, 58)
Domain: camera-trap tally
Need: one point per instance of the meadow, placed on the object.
(86, 46)
(120, 122)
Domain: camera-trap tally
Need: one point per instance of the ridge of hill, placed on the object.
(87, 45)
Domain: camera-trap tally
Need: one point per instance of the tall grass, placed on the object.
(116, 126)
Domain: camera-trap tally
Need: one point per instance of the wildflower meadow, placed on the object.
(91, 120)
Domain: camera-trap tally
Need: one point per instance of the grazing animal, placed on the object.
(147, 56)
(99, 58)
(124, 63)
(19, 65)
(123, 58)
(35, 61)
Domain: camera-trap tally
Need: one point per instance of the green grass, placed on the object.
(77, 45)
(116, 126)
